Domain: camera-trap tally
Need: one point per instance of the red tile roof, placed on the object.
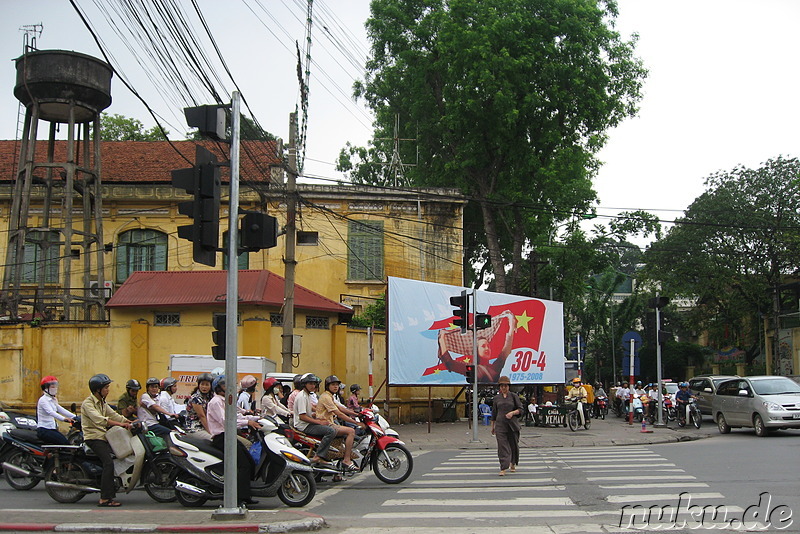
(152, 161)
(153, 289)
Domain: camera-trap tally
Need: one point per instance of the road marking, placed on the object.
(481, 481)
(660, 497)
(479, 514)
(482, 490)
(485, 468)
(657, 485)
(642, 477)
(650, 468)
(448, 503)
(606, 460)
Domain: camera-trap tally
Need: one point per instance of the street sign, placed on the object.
(626, 343)
(626, 365)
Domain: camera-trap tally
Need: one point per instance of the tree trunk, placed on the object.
(493, 245)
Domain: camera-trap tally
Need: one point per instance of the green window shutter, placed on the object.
(365, 250)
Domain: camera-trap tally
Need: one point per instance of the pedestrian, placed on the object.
(506, 409)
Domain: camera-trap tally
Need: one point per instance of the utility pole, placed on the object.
(289, 261)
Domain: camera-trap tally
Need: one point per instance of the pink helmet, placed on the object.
(248, 382)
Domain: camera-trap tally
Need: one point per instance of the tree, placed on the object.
(736, 245)
(508, 100)
(120, 128)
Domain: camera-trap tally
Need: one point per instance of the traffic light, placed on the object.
(209, 120)
(664, 336)
(259, 231)
(483, 320)
(462, 313)
(218, 336)
(657, 302)
(203, 182)
(470, 374)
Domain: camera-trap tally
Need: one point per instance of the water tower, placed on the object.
(54, 259)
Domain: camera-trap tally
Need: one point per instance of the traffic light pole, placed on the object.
(476, 363)
(230, 506)
(660, 401)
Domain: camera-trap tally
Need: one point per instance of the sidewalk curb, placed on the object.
(303, 525)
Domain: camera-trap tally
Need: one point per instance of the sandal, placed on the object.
(110, 503)
(349, 468)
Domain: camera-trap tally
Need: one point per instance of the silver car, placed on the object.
(760, 402)
(704, 387)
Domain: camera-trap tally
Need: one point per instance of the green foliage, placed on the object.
(737, 242)
(374, 315)
(508, 100)
(120, 128)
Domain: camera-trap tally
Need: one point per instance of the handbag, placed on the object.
(157, 443)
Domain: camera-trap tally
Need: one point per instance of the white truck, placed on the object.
(185, 367)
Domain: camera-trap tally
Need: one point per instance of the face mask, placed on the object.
(277, 390)
(53, 390)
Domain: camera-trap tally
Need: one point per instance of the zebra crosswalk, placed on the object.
(559, 490)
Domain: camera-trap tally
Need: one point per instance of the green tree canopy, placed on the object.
(508, 100)
(120, 128)
(737, 243)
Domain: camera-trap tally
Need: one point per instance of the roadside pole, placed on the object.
(630, 384)
(658, 366)
(476, 363)
(230, 508)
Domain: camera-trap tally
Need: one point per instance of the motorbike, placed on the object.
(280, 470)
(378, 447)
(669, 409)
(74, 470)
(638, 409)
(600, 407)
(576, 416)
(23, 456)
(10, 418)
(689, 413)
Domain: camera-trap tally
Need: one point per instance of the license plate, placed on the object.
(796, 416)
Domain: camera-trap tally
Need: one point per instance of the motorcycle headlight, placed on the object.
(772, 407)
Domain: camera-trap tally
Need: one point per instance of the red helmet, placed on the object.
(46, 381)
(269, 383)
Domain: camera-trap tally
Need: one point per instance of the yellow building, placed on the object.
(350, 238)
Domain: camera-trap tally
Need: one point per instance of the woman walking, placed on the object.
(506, 409)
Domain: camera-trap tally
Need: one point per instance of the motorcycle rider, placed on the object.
(577, 393)
(298, 388)
(270, 403)
(352, 402)
(305, 421)
(329, 409)
(197, 405)
(247, 388)
(682, 398)
(128, 403)
(149, 408)
(48, 411)
(97, 418)
(215, 416)
(166, 398)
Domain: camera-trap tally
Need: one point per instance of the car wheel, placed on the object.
(722, 424)
(761, 428)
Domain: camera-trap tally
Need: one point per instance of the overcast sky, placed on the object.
(722, 88)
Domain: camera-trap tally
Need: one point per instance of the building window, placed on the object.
(244, 257)
(167, 319)
(307, 238)
(141, 250)
(365, 250)
(319, 323)
(41, 256)
(276, 319)
(223, 314)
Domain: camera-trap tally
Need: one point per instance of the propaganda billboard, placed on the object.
(525, 340)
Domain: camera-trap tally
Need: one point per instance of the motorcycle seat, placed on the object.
(28, 436)
(202, 444)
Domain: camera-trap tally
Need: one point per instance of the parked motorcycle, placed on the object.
(280, 470)
(379, 448)
(23, 458)
(75, 470)
(689, 413)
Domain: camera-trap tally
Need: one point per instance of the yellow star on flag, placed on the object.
(523, 320)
